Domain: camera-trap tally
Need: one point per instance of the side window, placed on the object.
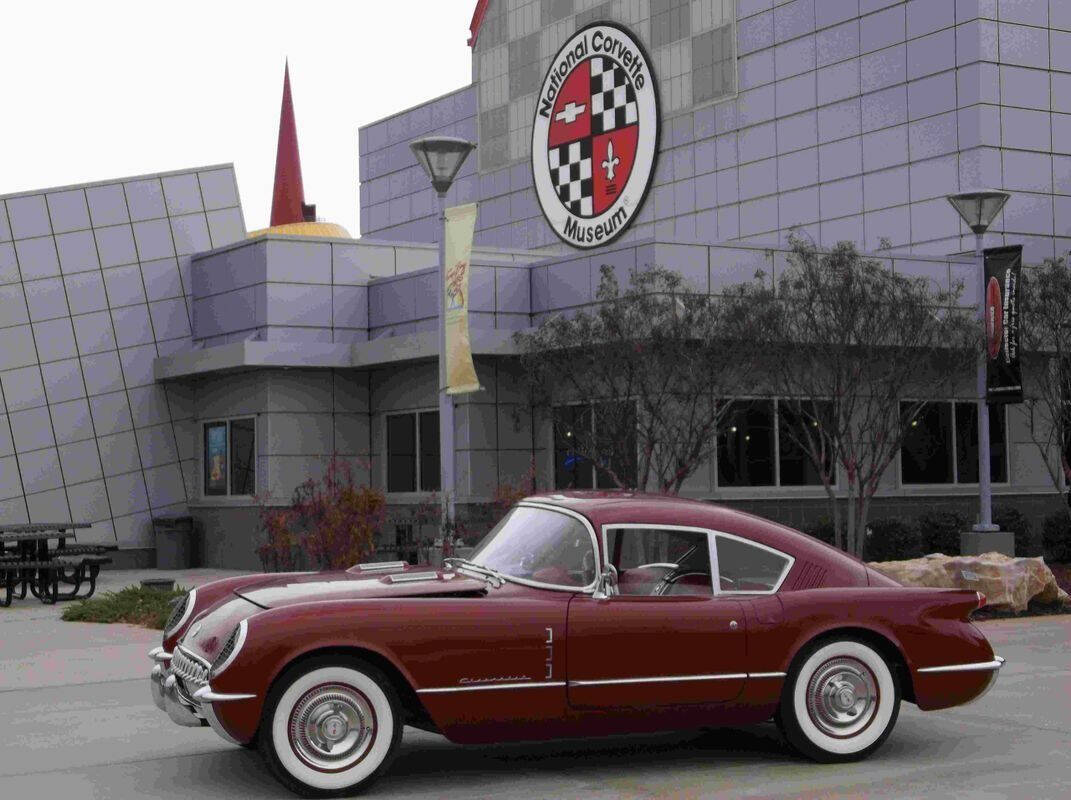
(660, 562)
(746, 567)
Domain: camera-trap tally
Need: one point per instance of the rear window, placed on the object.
(746, 567)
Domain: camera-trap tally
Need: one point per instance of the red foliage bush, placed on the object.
(331, 522)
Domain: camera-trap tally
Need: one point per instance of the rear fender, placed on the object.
(927, 627)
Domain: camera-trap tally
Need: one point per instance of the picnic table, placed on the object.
(27, 561)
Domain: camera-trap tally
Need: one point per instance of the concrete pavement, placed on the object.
(78, 721)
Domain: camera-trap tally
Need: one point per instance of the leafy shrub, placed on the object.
(1009, 518)
(1056, 538)
(331, 522)
(136, 605)
(822, 530)
(892, 539)
(940, 531)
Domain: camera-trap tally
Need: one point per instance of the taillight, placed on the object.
(981, 599)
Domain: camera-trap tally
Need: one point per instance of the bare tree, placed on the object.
(653, 362)
(1047, 338)
(848, 342)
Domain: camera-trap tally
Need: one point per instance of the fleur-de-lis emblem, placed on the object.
(611, 162)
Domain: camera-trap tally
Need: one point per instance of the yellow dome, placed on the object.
(327, 230)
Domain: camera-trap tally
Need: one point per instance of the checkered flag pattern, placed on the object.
(613, 100)
(570, 169)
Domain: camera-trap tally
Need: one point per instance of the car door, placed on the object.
(666, 638)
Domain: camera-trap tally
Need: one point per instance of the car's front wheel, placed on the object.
(840, 701)
(330, 727)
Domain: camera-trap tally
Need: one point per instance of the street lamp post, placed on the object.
(442, 157)
(978, 210)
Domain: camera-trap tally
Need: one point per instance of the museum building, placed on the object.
(158, 359)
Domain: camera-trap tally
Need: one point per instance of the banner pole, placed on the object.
(985, 488)
(446, 401)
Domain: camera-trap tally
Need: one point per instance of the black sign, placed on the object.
(1004, 373)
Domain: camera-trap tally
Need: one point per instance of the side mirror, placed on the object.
(607, 586)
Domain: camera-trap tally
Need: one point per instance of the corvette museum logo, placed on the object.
(595, 136)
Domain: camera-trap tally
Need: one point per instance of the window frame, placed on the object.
(956, 482)
(556, 587)
(415, 414)
(712, 549)
(227, 421)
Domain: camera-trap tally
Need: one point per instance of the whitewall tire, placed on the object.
(330, 727)
(840, 701)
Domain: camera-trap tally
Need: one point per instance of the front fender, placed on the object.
(278, 637)
(211, 593)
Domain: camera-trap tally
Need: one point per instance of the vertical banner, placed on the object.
(1004, 373)
(460, 371)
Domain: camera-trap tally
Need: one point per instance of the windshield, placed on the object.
(536, 544)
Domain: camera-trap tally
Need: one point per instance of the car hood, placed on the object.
(291, 589)
(209, 631)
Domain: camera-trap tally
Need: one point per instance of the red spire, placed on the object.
(288, 200)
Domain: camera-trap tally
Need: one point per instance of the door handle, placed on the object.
(733, 626)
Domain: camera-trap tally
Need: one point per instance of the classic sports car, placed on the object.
(580, 614)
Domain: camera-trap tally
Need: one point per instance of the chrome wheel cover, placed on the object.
(842, 697)
(332, 727)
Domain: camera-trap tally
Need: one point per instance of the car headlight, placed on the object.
(181, 612)
(230, 649)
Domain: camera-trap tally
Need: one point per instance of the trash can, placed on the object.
(176, 547)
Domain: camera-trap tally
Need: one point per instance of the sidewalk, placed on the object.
(40, 650)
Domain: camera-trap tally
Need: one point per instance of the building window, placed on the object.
(746, 454)
(413, 452)
(942, 445)
(795, 467)
(574, 471)
(230, 458)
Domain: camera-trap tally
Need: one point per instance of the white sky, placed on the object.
(106, 89)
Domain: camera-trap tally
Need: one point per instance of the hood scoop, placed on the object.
(378, 566)
(413, 577)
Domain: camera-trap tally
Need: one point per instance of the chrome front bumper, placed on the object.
(194, 711)
(166, 695)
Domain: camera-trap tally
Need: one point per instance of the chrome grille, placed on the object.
(176, 614)
(228, 647)
(192, 671)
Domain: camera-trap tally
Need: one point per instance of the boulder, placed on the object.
(1008, 583)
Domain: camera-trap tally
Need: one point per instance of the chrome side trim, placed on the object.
(767, 674)
(486, 687)
(413, 577)
(724, 676)
(206, 695)
(381, 566)
(981, 666)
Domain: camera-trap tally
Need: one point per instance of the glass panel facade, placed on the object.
(243, 456)
(215, 459)
(797, 468)
(430, 479)
(746, 444)
(967, 444)
(401, 453)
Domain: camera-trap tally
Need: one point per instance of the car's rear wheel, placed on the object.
(330, 727)
(840, 701)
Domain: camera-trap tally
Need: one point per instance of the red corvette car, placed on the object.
(580, 614)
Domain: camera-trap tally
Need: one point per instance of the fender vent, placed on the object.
(808, 576)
